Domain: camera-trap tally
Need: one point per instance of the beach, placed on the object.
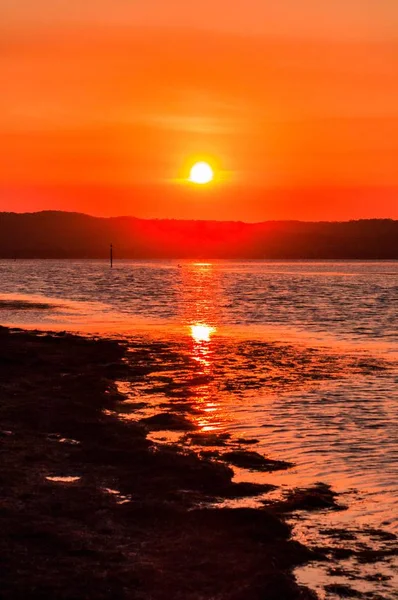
(92, 509)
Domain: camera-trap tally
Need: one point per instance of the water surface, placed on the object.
(301, 356)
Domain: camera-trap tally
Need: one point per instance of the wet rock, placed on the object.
(132, 406)
(246, 489)
(317, 497)
(181, 407)
(343, 591)
(247, 441)
(168, 422)
(340, 534)
(377, 577)
(380, 534)
(372, 556)
(340, 553)
(253, 461)
(339, 572)
(208, 439)
(210, 454)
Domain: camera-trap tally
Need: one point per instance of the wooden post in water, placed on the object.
(111, 255)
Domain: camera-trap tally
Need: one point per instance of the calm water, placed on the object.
(301, 356)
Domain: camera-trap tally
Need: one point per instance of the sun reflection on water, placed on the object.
(208, 418)
(202, 333)
(201, 314)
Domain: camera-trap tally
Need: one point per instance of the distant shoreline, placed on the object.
(196, 259)
(61, 235)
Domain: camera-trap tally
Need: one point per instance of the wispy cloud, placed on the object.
(197, 124)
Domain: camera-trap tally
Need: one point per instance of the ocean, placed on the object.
(298, 357)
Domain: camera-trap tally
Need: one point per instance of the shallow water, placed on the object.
(301, 356)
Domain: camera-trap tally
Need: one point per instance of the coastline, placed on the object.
(139, 519)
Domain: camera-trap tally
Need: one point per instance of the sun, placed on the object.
(201, 173)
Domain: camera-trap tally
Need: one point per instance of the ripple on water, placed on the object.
(329, 411)
(298, 356)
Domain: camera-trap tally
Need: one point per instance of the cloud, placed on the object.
(337, 19)
(196, 124)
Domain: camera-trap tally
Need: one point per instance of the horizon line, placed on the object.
(67, 212)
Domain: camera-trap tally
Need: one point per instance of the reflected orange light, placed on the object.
(202, 333)
(201, 310)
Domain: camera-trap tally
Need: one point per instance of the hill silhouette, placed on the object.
(53, 234)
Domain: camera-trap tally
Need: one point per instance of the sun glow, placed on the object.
(202, 333)
(201, 173)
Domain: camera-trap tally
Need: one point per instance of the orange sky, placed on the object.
(105, 103)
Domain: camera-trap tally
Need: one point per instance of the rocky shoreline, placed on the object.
(91, 508)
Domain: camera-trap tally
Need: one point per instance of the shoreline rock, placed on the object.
(74, 540)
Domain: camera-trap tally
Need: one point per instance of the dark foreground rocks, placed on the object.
(254, 461)
(317, 497)
(130, 520)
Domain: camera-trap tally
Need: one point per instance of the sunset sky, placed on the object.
(105, 105)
